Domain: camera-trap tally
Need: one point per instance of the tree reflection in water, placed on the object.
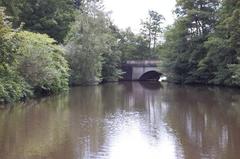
(125, 120)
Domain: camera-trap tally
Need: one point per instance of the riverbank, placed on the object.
(146, 84)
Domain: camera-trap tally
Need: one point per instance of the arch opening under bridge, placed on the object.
(150, 75)
(141, 70)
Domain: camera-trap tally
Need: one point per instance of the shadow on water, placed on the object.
(151, 85)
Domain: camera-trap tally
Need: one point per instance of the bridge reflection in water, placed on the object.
(125, 121)
(144, 70)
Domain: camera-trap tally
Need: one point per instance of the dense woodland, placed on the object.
(48, 45)
(202, 46)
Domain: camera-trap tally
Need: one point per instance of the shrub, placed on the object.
(42, 63)
(12, 86)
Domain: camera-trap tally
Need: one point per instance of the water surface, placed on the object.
(125, 121)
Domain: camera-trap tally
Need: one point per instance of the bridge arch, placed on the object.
(150, 75)
(141, 70)
(145, 73)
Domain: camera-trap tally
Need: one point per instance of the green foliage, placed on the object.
(42, 63)
(142, 46)
(127, 44)
(152, 29)
(203, 45)
(12, 86)
(44, 16)
(83, 50)
(92, 48)
(13, 8)
(133, 47)
(184, 44)
(110, 66)
(111, 56)
(234, 69)
(29, 62)
(223, 47)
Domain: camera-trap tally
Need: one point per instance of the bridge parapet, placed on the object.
(142, 63)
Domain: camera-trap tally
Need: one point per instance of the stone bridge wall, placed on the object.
(135, 69)
(143, 63)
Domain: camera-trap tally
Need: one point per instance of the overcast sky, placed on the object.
(128, 13)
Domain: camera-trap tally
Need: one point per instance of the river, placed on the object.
(127, 120)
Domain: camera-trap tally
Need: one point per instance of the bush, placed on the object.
(29, 63)
(42, 63)
(12, 86)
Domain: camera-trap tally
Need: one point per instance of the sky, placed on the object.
(128, 13)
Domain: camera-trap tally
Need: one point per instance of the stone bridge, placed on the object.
(141, 70)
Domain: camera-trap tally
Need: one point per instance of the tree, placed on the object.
(152, 28)
(30, 64)
(133, 46)
(223, 47)
(12, 85)
(111, 56)
(42, 63)
(185, 40)
(13, 8)
(91, 48)
(44, 16)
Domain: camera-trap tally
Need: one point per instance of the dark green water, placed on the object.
(125, 121)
